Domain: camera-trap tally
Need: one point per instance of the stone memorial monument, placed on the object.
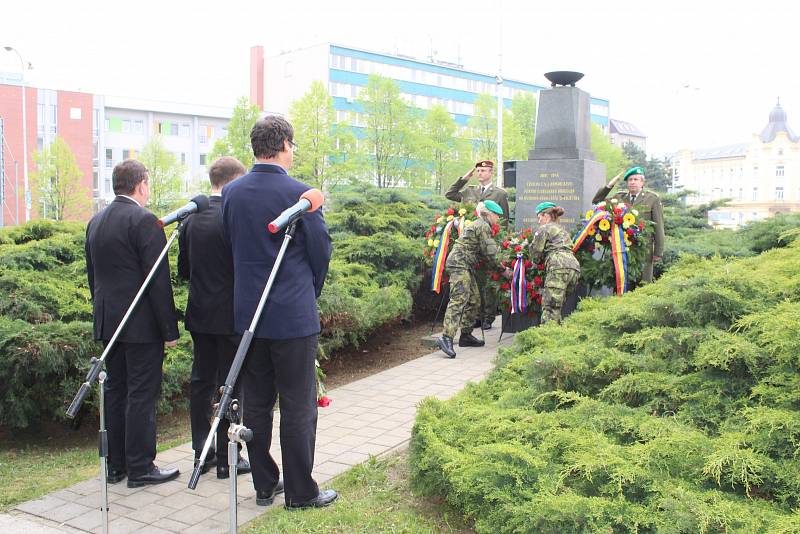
(561, 167)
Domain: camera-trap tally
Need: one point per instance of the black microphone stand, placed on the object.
(227, 390)
(96, 374)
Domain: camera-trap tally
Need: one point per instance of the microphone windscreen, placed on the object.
(201, 201)
(315, 197)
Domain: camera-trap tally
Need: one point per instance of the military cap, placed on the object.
(633, 170)
(544, 206)
(485, 163)
(493, 206)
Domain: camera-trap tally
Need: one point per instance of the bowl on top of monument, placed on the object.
(563, 77)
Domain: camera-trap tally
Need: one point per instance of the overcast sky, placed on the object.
(688, 73)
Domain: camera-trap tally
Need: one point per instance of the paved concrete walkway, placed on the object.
(371, 416)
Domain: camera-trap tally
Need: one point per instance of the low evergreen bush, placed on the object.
(674, 408)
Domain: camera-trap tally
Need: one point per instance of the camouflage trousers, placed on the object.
(558, 283)
(488, 311)
(464, 305)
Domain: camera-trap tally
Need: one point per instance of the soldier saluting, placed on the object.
(475, 244)
(648, 204)
(485, 190)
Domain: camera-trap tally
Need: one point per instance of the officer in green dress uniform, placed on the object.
(552, 245)
(648, 204)
(485, 190)
(475, 244)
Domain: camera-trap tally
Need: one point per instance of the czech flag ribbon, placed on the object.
(440, 257)
(519, 286)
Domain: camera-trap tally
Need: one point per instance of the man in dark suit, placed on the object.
(122, 244)
(205, 260)
(281, 359)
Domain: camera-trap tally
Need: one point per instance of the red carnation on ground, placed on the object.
(495, 277)
(618, 220)
(540, 266)
(630, 231)
(433, 253)
(641, 225)
(518, 248)
(539, 299)
(428, 233)
(506, 244)
(528, 264)
(433, 228)
(475, 212)
(324, 401)
(451, 211)
(505, 286)
(537, 280)
(528, 286)
(495, 229)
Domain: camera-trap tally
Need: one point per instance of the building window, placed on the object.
(202, 159)
(778, 193)
(755, 193)
(740, 193)
(95, 182)
(780, 152)
(183, 158)
(95, 121)
(779, 171)
(126, 154)
(184, 130)
(138, 127)
(109, 158)
(126, 126)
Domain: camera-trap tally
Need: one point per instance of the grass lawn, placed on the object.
(374, 497)
(34, 464)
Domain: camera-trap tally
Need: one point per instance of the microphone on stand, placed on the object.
(311, 200)
(196, 205)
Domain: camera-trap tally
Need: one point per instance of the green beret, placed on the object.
(633, 170)
(493, 206)
(543, 206)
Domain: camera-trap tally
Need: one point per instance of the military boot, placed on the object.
(446, 345)
(468, 340)
(487, 324)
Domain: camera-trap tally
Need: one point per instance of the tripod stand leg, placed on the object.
(103, 450)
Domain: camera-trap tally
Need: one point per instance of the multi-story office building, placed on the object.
(101, 131)
(761, 178)
(276, 81)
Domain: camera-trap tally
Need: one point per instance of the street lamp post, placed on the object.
(24, 138)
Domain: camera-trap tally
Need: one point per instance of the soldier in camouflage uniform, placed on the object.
(648, 204)
(552, 245)
(474, 245)
(485, 190)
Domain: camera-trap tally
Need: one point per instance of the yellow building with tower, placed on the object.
(761, 178)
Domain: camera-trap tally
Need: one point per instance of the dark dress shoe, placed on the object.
(211, 461)
(325, 498)
(446, 345)
(242, 468)
(487, 324)
(265, 498)
(468, 340)
(115, 475)
(155, 476)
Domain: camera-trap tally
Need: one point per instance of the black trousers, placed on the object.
(213, 355)
(132, 389)
(282, 367)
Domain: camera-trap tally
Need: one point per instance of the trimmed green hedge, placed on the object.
(45, 310)
(675, 408)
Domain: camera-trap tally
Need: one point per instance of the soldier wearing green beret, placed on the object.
(475, 244)
(485, 190)
(648, 204)
(552, 245)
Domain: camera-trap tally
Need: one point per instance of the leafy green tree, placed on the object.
(57, 182)
(518, 140)
(611, 155)
(441, 147)
(319, 160)
(390, 131)
(483, 127)
(236, 142)
(658, 172)
(165, 174)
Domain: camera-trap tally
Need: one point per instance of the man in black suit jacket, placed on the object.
(281, 359)
(122, 244)
(205, 260)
